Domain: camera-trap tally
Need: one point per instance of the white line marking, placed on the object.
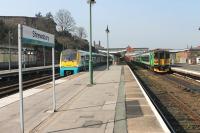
(137, 105)
(135, 98)
(15, 97)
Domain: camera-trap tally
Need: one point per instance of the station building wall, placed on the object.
(188, 56)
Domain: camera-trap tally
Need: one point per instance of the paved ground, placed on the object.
(140, 115)
(188, 67)
(84, 109)
(80, 108)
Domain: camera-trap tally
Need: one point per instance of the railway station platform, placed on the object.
(13, 72)
(193, 70)
(115, 103)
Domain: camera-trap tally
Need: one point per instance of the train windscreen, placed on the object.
(167, 55)
(69, 55)
(156, 55)
(162, 55)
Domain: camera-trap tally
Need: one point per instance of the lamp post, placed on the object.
(10, 37)
(107, 31)
(90, 2)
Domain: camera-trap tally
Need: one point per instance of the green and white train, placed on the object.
(157, 60)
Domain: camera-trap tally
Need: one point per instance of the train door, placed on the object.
(162, 58)
(167, 58)
(156, 58)
(83, 64)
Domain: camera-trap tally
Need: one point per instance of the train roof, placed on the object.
(150, 51)
(84, 52)
(159, 49)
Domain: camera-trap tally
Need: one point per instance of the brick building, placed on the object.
(131, 52)
(189, 56)
(98, 46)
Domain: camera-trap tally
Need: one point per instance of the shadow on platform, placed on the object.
(87, 124)
(133, 109)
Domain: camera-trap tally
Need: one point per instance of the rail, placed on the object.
(8, 89)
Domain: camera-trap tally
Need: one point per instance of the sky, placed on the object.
(137, 23)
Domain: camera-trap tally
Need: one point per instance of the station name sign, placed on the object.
(37, 37)
(40, 36)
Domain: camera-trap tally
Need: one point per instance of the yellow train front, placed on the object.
(161, 61)
(70, 62)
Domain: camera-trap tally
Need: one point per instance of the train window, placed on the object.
(1, 51)
(167, 55)
(155, 55)
(69, 55)
(145, 58)
(87, 57)
(82, 58)
(161, 55)
(93, 58)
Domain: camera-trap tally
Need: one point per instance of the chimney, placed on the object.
(99, 43)
(94, 43)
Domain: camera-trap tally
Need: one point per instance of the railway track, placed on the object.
(178, 98)
(9, 89)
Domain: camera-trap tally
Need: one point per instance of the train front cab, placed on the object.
(69, 63)
(161, 61)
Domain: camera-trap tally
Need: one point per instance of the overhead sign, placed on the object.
(37, 37)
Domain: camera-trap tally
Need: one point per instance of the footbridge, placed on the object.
(118, 53)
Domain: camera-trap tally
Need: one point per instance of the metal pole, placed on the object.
(107, 53)
(20, 77)
(107, 31)
(44, 55)
(24, 54)
(90, 49)
(9, 50)
(53, 73)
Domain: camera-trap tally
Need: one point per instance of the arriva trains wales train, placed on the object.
(72, 61)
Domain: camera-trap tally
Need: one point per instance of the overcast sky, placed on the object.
(138, 23)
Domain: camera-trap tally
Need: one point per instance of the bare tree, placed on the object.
(49, 15)
(38, 15)
(81, 32)
(64, 20)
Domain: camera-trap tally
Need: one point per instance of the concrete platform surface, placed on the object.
(115, 103)
(141, 115)
(187, 69)
(80, 108)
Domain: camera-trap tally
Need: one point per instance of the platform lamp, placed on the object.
(107, 31)
(91, 2)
